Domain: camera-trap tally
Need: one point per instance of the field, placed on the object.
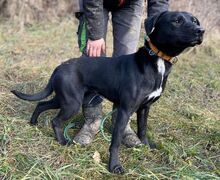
(185, 122)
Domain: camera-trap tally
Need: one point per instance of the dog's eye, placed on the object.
(177, 21)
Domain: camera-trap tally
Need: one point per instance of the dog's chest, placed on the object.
(161, 70)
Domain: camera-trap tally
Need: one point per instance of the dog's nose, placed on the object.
(200, 31)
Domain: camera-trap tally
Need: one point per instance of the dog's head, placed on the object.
(172, 32)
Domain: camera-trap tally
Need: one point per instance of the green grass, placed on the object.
(184, 122)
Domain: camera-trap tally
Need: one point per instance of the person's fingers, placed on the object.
(88, 49)
(103, 48)
(98, 51)
(91, 51)
(94, 50)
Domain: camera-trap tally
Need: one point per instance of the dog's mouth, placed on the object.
(197, 41)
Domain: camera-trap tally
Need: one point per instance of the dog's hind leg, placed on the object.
(67, 110)
(43, 106)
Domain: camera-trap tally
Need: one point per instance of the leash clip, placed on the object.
(151, 53)
(146, 37)
(174, 60)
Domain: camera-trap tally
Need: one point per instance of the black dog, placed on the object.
(132, 82)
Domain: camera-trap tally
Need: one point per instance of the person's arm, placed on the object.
(93, 10)
(157, 6)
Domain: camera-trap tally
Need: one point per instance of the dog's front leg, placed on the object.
(119, 127)
(142, 115)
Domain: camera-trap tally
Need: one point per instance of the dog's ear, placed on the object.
(150, 23)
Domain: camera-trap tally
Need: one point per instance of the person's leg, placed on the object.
(156, 6)
(126, 31)
(126, 28)
(92, 107)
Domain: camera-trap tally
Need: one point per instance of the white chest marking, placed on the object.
(161, 66)
(161, 70)
(155, 93)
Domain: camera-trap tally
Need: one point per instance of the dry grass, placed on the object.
(26, 12)
(185, 121)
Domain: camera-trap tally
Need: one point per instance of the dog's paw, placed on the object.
(145, 141)
(117, 169)
(148, 143)
(152, 145)
(33, 123)
(63, 142)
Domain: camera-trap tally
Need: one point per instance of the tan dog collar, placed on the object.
(155, 51)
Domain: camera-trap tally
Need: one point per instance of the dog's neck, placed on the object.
(154, 51)
(144, 60)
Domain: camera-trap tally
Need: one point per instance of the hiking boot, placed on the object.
(129, 138)
(93, 116)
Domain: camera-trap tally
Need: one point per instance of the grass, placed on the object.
(184, 122)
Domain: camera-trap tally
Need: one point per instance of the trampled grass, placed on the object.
(184, 122)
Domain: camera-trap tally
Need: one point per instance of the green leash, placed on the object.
(107, 138)
(101, 128)
(65, 132)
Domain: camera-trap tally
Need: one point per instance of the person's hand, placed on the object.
(95, 47)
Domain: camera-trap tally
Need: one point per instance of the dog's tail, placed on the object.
(35, 97)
